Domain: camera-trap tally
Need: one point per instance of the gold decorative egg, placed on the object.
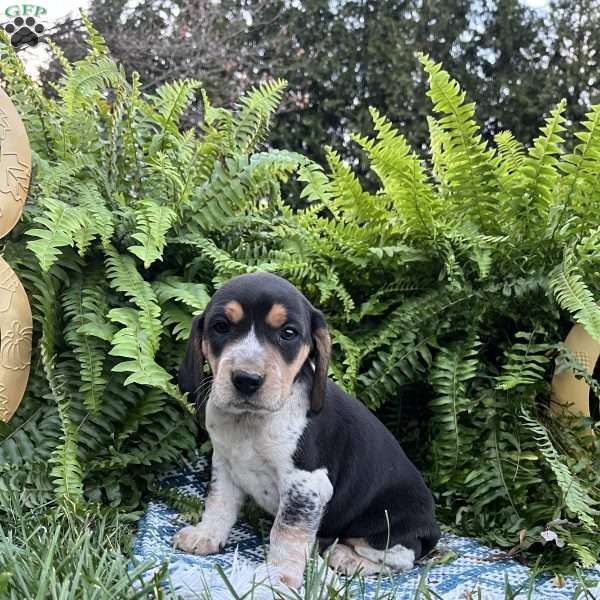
(568, 390)
(15, 311)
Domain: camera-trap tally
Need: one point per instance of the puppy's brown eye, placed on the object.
(288, 333)
(222, 327)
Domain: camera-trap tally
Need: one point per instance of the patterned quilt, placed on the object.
(475, 573)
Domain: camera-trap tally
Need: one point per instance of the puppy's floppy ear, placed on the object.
(190, 374)
(322, 355)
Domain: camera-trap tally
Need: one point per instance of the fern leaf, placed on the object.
(452, 370)
(171, 101)
(539, 169)
(66, 471)
(235, 184)
(511, 155)
(193, 295)
(252, 121)
(132, 342)
(125, 278)
(153, 223)
(88, 80)
(94, 40)
(526, 362)
(468, 164)
(574, 295)
(61, 222)
(581, 186)
(402, 174)
(86, 305)
(316, 183)
(577, 499)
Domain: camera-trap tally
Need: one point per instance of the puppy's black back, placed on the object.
(370, 474)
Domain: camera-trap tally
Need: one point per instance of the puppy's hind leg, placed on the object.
(396, 558)
(344, 560)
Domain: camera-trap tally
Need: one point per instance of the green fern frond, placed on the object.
(402, 174)
(253, 118)
(98, 221)
(171, 287)
(85, 307)
(125, 278)
(225, 265)
(87, 81)
(179, 319)
(511, 151)
(60, 57)
(61, 223)
(148, 403)
(438, 140)
(66, 471)
(587, 554)
(94, 40)
(505, 471)
(581, 186)
(511, 155)
(236, 184)
(574, 295)
(153, 222)
(467, 162)
(132, 342)
(317, 186)
(451, 372)
(188, 506)
(171, 100)
(539, 170)
(577, 500)
(349, 198)
(526, 362)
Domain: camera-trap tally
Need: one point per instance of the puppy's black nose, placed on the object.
(246, 383)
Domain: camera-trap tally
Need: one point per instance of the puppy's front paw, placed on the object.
(196, 540)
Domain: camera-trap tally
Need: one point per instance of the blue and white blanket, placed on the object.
(475, 573)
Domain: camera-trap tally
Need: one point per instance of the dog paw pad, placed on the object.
(195, 541)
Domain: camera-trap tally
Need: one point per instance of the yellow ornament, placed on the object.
(15, 311)
(568, 390)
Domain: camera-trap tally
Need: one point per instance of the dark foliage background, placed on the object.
(342, 57)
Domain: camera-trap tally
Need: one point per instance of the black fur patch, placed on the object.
(371, 476)
(300, 506)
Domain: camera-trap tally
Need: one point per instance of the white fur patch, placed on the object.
(248, 347)
(345, 560)
(257, 448)
(397, 558)
(221, 510)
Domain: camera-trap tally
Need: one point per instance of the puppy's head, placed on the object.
(257, 333)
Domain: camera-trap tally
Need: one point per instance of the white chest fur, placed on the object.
(257, 448)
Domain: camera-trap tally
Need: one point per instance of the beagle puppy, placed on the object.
(283, 433)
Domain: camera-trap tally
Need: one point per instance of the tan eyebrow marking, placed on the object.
(234, 311)
(277, 315)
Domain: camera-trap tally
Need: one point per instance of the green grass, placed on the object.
(62, 553)
(59, 553)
